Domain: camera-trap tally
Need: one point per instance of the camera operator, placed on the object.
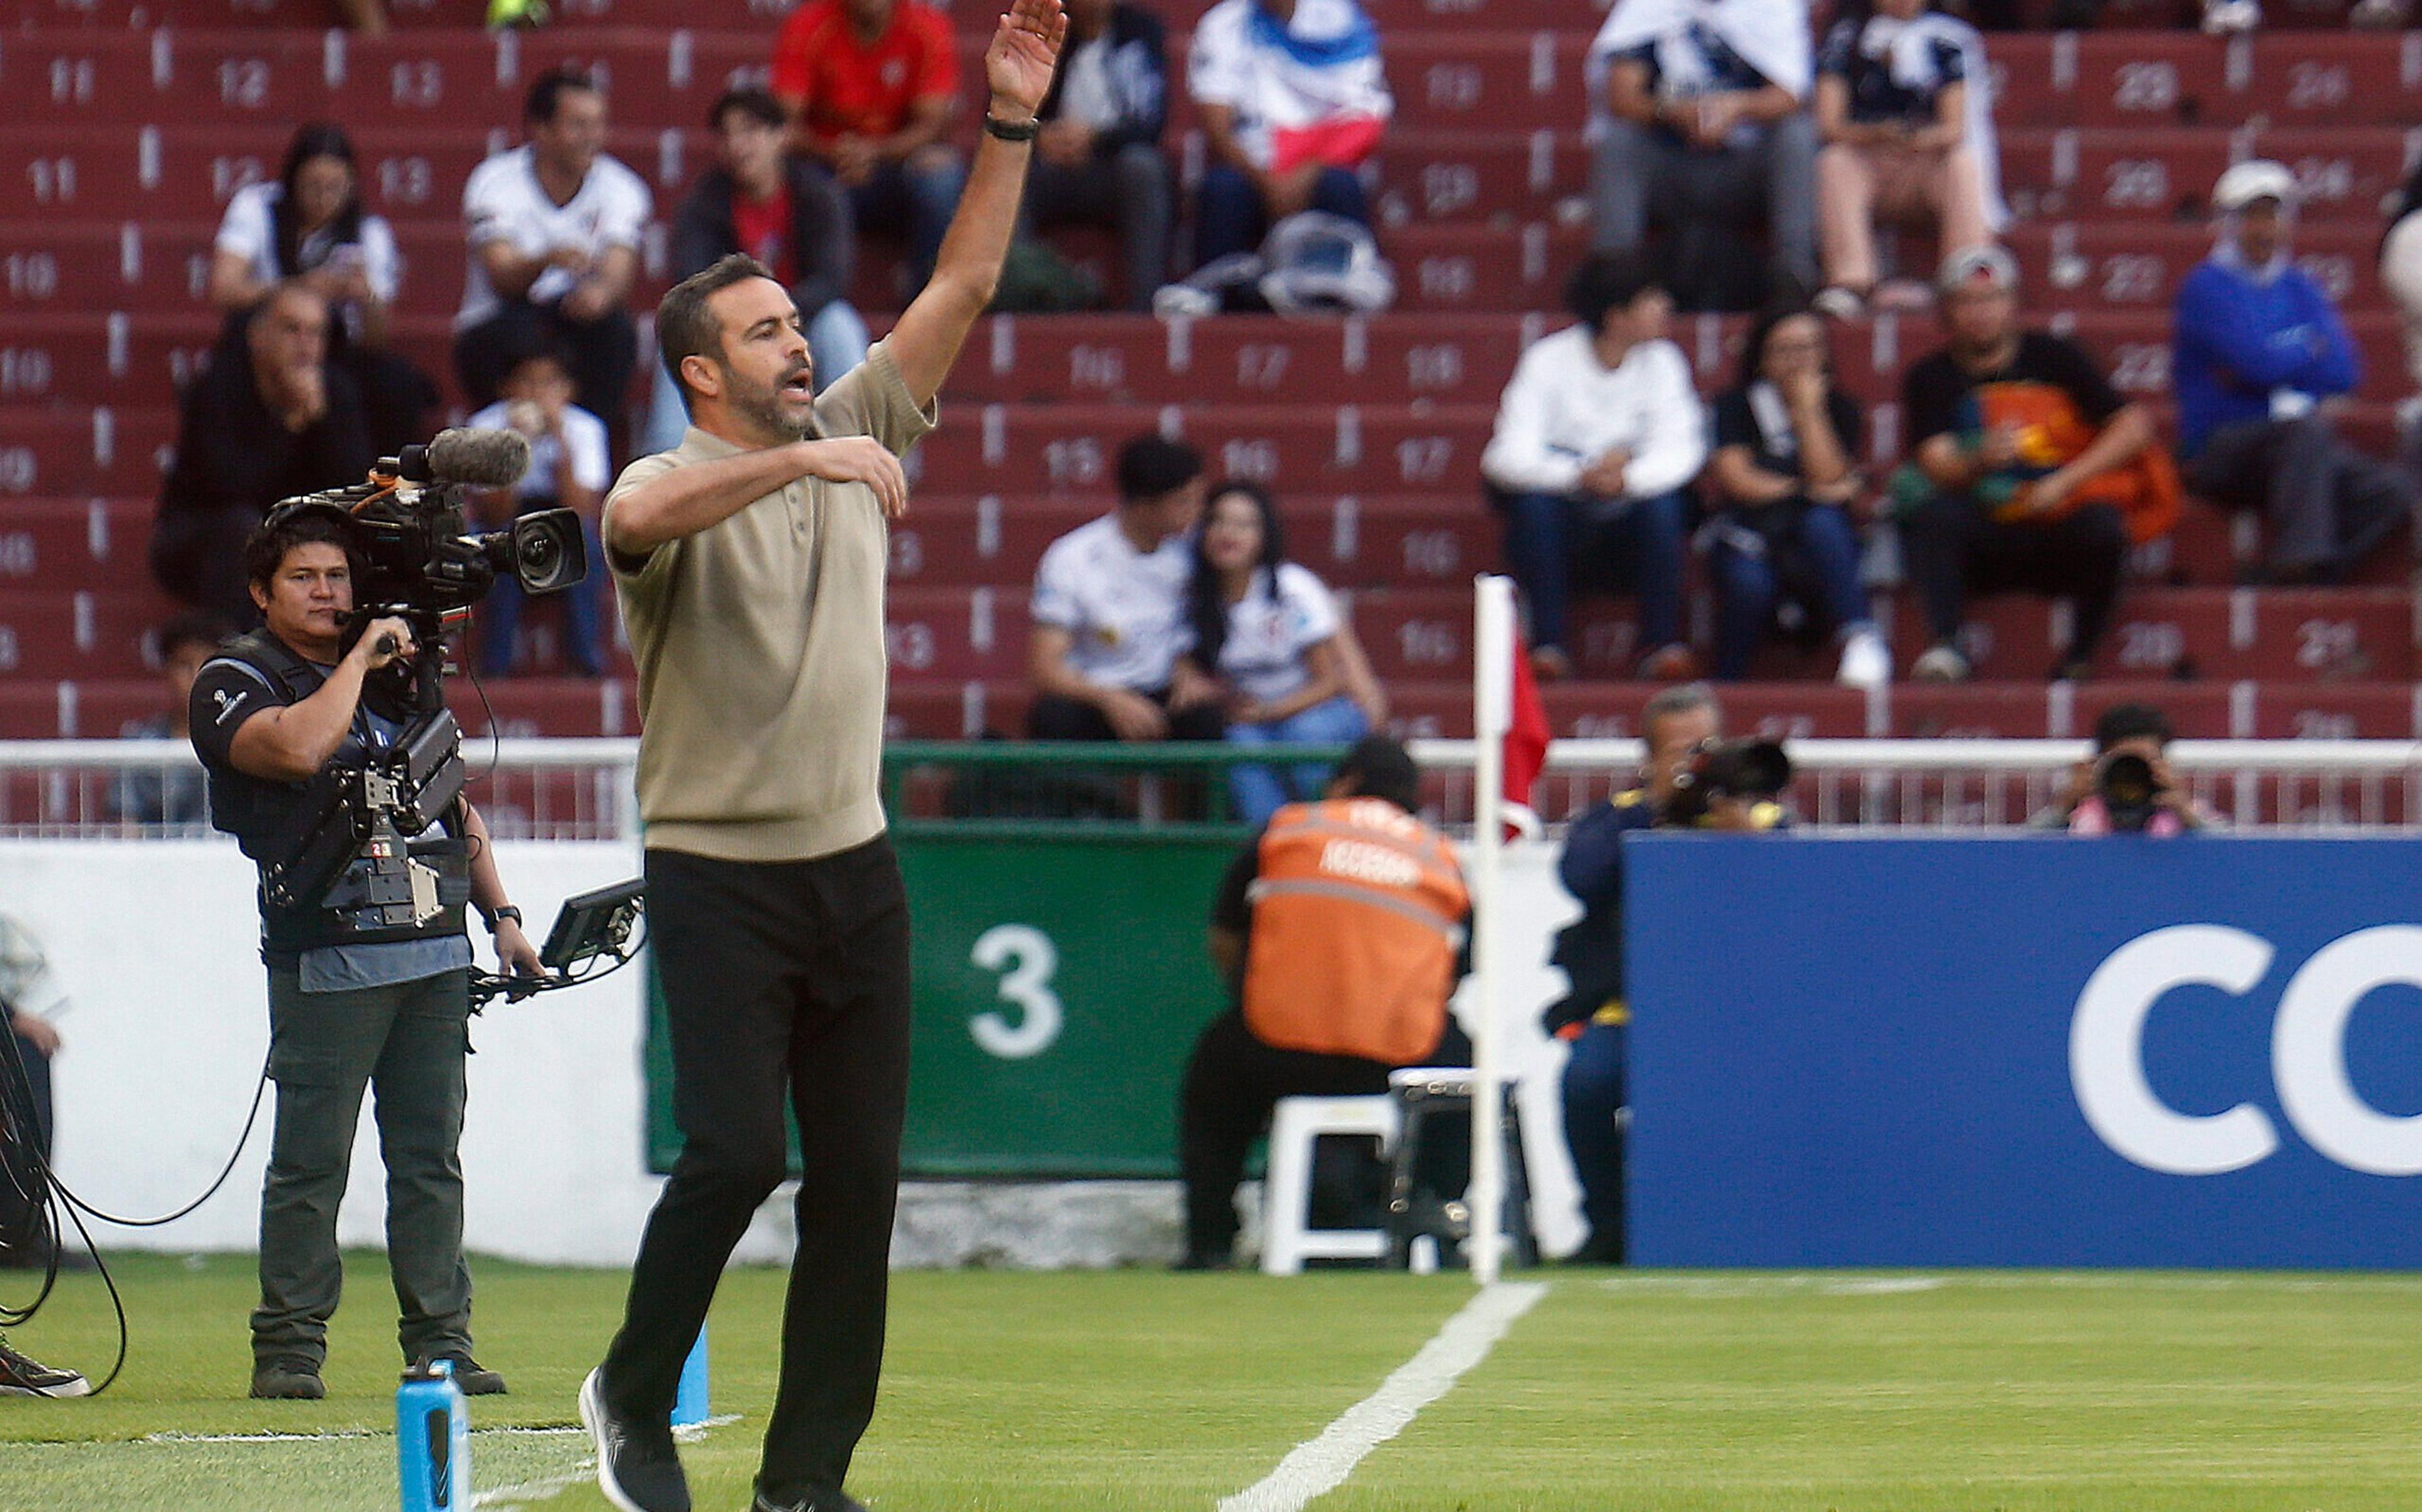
(1677, 728)
(351, 1002)
(2126, 787)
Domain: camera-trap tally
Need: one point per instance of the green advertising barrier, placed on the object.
(1060, 966)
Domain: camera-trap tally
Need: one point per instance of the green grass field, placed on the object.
(1020, 1393)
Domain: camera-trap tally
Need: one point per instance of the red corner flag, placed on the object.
(1526, 745)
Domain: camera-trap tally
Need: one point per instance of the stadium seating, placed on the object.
(126, 134)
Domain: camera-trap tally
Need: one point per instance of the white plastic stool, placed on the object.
(1286, 1189)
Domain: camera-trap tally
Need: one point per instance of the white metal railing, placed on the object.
(583, 788)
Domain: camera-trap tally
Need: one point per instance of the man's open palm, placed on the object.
(1025, 46)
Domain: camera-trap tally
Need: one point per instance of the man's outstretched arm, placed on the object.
(1017, 66)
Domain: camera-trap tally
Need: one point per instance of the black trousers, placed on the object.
(603, 353)
(1054, 718)
(784, 982)
(1232, 1084)
(1955, 548)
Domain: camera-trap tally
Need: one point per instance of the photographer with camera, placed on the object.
(2126, 787)
(356, 1000)
(1690, 780)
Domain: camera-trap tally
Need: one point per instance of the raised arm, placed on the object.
(1017, 68)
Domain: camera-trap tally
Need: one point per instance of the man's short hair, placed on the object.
(1151, 466)
(1682, 698)
(687, 328)
(192, 628)
(265, 550)
(1378, 766)
(2131, 722)
(1607, 281)
(548, 91)
(752, 101)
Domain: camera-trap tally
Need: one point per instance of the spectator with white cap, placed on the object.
(2258, 350)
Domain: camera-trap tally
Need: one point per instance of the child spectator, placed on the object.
(568, 470)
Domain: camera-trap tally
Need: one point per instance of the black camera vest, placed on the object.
(260, 812)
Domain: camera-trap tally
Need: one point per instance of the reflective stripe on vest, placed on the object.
(1358, 912)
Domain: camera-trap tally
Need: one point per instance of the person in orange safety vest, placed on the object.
(1342, 930)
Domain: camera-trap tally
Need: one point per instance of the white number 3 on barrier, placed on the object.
(1030, 957)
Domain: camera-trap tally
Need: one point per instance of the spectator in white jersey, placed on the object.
(554, 229)
(1110, 613)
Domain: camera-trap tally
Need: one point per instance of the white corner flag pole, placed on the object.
(1492, 715)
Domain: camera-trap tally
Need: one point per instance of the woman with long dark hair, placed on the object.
(1269, 631)
(1783, 477)
(309, 225)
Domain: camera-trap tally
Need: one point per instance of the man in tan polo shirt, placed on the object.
(751, 562)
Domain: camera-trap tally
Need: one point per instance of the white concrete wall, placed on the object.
(154, 942)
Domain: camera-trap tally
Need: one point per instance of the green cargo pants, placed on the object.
(407, 1042)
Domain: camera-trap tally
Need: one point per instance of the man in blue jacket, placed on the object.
(2258, 348)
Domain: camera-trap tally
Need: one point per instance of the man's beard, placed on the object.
(760, 405)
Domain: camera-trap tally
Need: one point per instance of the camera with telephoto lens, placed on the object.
(2131, 791)
(416, 557)
(1751, 769)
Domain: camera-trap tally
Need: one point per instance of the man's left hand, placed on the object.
(1024, 48)
(515, 955)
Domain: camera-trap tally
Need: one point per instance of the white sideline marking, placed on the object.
(332, 1435)
(1321, 1466)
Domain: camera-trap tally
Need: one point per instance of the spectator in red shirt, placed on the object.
(870, 85)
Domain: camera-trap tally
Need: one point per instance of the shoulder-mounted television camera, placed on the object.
(416, 556)
(415, 559)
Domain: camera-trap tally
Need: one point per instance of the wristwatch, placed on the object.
(508, 911)
(1025, 130)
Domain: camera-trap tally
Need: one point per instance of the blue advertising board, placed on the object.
(2025, 1051)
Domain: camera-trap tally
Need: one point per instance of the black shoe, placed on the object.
(636, 1467)
(287, 1381)
(1205, 1260)
(473, 1379)
(835, 1502)
(22, 1376)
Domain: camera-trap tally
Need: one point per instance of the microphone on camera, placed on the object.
(484, 458)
